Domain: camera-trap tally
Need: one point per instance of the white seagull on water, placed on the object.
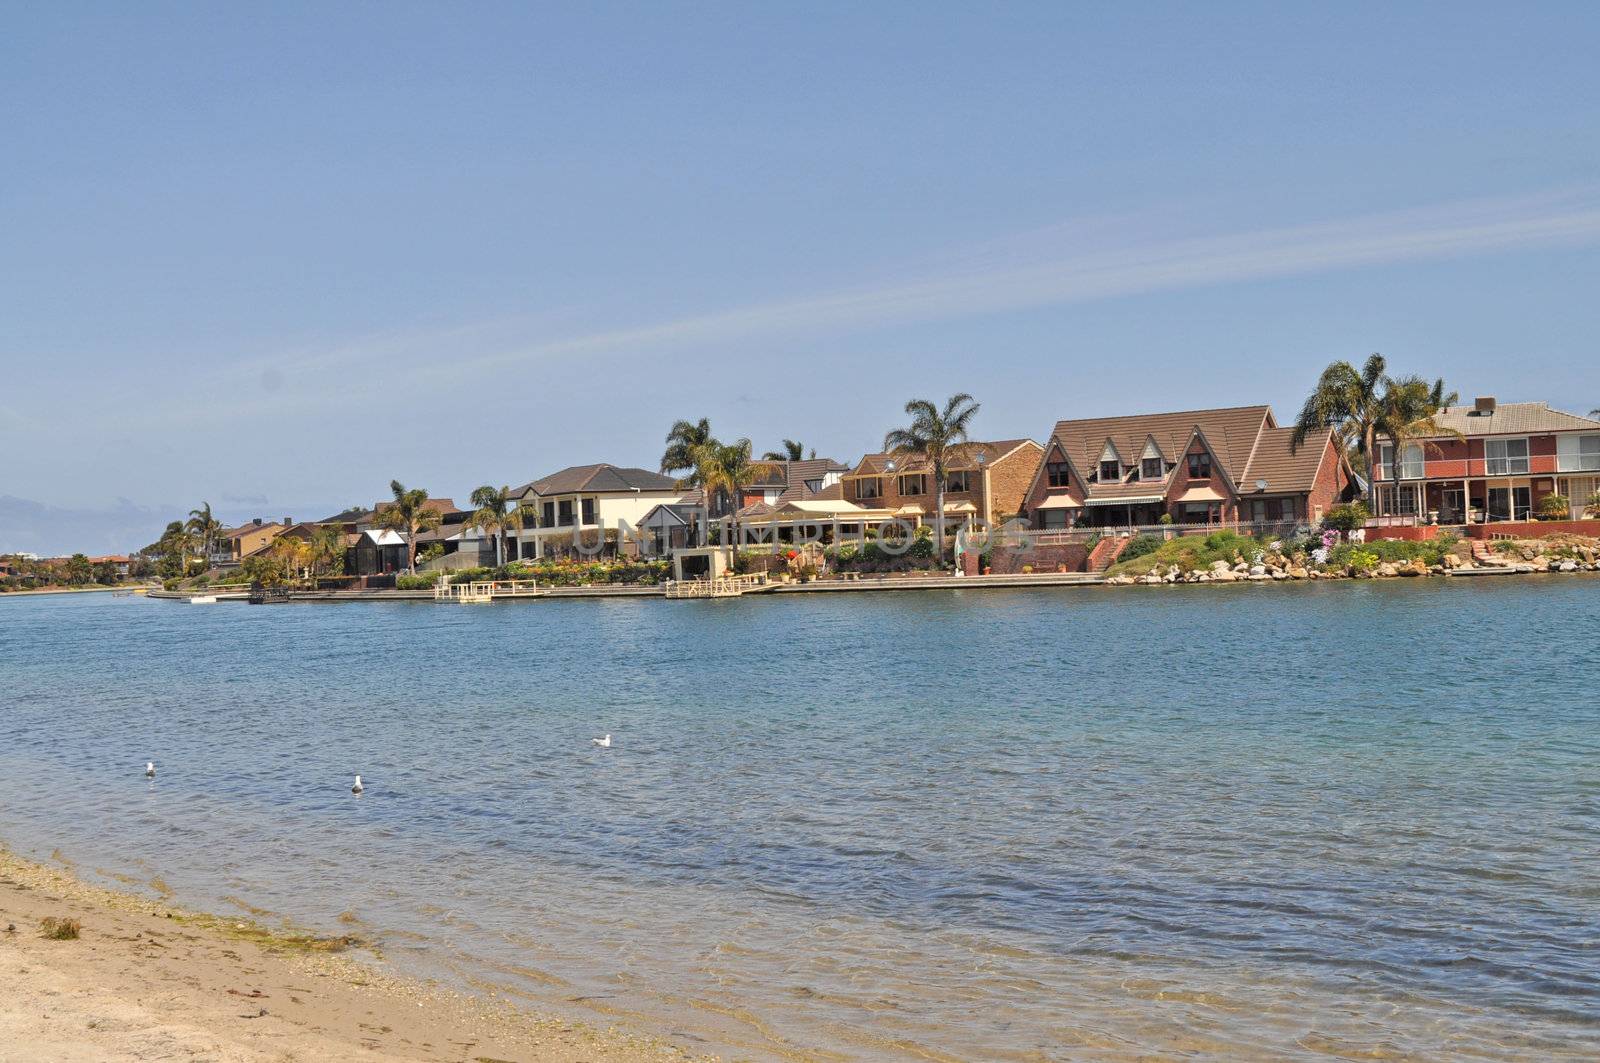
(603, 743)
(357, 788)
(149, 769)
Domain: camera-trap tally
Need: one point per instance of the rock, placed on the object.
(1569, 566)
(1227, 575)
(1451, 561)
(1297, 572)
(1280, 574)
(1258, 570)
(1219, 565)
(1155, 580)
(1260, 577)
(1386, 569)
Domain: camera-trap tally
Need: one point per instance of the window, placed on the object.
(913, 485)
(813, 486)
(549, 520)
(1150, 469)
(1578, 453)
(588, 511)
(1110, 471)
(1411, 467)
(1503, 457)
(1200, 466)
(1053, 518)
(1056, 472)
(1399, 499)
(869, 487)
(958, 481)
(564, 512)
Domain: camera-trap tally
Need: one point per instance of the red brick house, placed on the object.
(986, 481)
(1496, 462)
(1217, 466)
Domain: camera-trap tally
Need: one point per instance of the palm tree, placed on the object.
(684, 439)
(408, 514)
(1595, 413)
(1409, 411)
(792, 451)
(204, 527)
(723, 468)
(930, 436)
(495, 516)
(1351, 403)
(327, 550)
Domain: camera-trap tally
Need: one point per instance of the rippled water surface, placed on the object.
(1255, 822)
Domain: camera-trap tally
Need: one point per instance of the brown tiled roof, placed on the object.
(440, 506)
(833, 492)
(961, 456)
(1231, 431)
(1282, 470)
(600, 477)
(1514, 418)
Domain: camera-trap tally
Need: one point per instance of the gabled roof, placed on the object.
(1284, 471)
(353, 515)
(1231, 432)
(245, 529)
(961, 456)
(599, 478)
(1514, 418)
(441, 506)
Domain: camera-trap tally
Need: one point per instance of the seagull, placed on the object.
(603, 743)
(149, 769)
(357, 788)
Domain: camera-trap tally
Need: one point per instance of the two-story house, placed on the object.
(985, 481)
(1492, 461)
(586, 504)
(233, 545)
(1227, 465)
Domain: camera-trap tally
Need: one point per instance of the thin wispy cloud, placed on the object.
(1105, 271)
(1077, 262)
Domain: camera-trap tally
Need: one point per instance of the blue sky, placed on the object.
(274, 256)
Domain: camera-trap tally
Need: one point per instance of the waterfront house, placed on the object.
(1215, 466)
(986, 481)
(1492, 461)
(119, 563)
(587, 503)
(233, 545)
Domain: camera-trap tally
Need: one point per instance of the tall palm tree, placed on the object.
(205, 528)
(1408, 412)
(1351, 403)
(495, 516)
(723, 468)
(683, 440)
(1595, 412)
(792, 451)
(408, 514)
(930, 436)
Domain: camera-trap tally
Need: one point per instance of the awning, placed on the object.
(909, 511)
(385, 537)
(1200, 494)
(1058, 502)
(1131, 500)
(960, 507)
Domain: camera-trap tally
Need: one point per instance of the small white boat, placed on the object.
(203, 599)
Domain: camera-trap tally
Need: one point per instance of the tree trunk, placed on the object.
(411, 551)
(938, 517)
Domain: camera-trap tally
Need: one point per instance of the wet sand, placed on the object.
(145, 980)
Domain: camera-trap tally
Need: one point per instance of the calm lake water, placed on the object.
(1286, 822)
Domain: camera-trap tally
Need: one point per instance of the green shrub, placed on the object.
(418, 582)
(1140, 546)
(1555, 507)
(1347, 517)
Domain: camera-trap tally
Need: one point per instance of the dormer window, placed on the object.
(1150, 469)
(1056, 473)
(1200, 466)
(1110, 471)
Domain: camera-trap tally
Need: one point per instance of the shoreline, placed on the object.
(148, 979)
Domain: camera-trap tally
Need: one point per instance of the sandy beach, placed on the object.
(145, 980)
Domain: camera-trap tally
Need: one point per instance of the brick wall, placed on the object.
(1009, 479)
(1008, 561)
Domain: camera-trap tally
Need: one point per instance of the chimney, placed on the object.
(1484, 406)
(258, 522)
(288, 522)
